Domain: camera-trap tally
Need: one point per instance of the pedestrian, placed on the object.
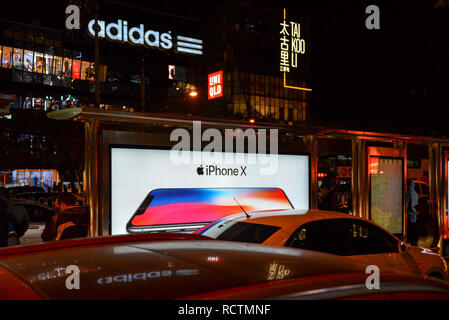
(27, 103)
(412, 202)
(69, 220)
(327, 195)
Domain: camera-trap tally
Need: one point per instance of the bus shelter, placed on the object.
(368, 170)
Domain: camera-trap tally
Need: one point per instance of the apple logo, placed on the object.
(200, 170)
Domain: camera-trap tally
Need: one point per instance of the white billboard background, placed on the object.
(136, 172)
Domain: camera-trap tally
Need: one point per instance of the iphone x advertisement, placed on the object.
(150, 193)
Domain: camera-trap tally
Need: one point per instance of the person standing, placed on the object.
(412, 202)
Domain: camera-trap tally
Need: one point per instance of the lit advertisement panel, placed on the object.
(386, 193)
(148, 189)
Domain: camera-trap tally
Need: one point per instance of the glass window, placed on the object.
(76, 69)
(36, 178)
(247, 232)
(17, 59)
(67, 68)
(57, 71)
(48, 64)
(364, 238)
(6, 57)
(85, 70)
(317, 236)
(38, 62)
(28, 60)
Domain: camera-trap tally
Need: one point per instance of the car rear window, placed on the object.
(248, 232)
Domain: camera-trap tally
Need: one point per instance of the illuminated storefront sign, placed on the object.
(121, 32)
(292, 47)
(215, 85)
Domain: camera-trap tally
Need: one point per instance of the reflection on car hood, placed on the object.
(167, 269)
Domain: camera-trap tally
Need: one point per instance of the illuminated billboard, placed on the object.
(151, 193)
(215, 85)
(293, 47)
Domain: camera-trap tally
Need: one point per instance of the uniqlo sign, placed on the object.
(215, 85)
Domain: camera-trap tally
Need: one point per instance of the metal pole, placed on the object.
(97, 60)
(314, 173)
(92, 174)
(436, 190)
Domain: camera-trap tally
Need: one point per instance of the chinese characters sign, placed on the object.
(292, 47)
(292, 44)
(215, 85)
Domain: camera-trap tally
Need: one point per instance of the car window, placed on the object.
(247, 232)
(345, 237)
(365, 238)
(318, 236)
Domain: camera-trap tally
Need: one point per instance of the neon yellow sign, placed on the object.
(292, 45)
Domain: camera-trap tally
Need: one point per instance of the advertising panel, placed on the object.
(386, 193)
(149, 192)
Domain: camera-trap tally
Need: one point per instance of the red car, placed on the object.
(183, 266)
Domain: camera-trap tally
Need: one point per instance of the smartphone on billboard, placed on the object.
(188, 209)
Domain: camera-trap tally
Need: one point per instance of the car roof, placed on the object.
(290, 219)
(163, 269)
(288, 216)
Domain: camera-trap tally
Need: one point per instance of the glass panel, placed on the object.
(67, 68)
(48, 64)
(17, 59)
(85, 70)
(38, 62)
(36, 178)
(57, 71)
(334, 180)
(76, 69)
(386, 192)
(28, 61)
(11, 178)
(6, 57)
(48, 180)
(422, 222)
(244, 232)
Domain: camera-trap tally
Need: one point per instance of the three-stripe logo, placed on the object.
(189, 45)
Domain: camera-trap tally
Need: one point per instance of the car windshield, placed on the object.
(240, 231)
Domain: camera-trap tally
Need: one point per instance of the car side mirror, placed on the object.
(403, 247)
